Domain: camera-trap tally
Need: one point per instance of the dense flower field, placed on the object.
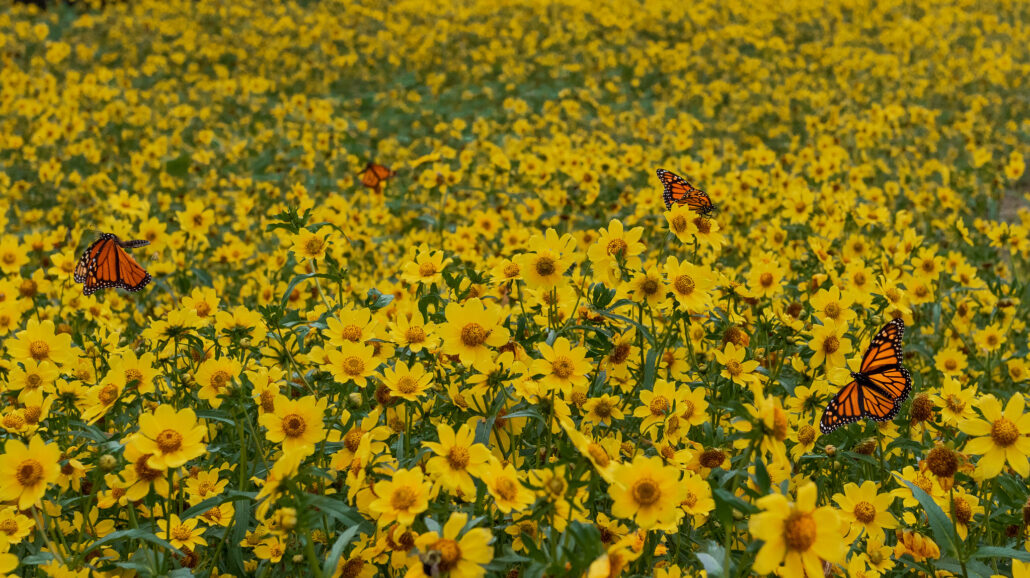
(511, 358)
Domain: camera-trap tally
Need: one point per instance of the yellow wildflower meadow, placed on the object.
(416, 306)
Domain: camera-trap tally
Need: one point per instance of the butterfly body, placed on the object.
(679, 192)
(105, 264)
(880, 387)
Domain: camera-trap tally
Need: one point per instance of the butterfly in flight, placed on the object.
(678, 191)
(879, 387)
(373, 175)
(106, 264)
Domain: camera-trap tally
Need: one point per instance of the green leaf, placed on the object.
(179, 166)
(337, 550)
(941, 526)
(1001, 552)
(712, 566)
(133, 534)
(643, 330)
(334, 508)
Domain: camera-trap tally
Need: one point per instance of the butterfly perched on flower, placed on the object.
(373, 175)
(879, 387)
(106, 264)
(679, 192)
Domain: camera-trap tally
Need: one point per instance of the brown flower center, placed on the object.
(799, 531)
(220, 379)
(659, 405)
(649, 287)
(1004, 432)
(562, 367)
(646, 492)
(450, 554)
(473, 335)
(458, 458)
(704, 226)
(684, 285)
(33, 381)
(545, 266)
(831, 344)
(506, 488)
(679, 224)
(426, 270)
(108, 394)
(620, 353)
(351, 333)
(712, 458)
(806, 434)
(511, 270)
(963, 511)
(39, 350)
(617, 247)
(294, 425)
(832, 310)
(169, 441)
(865, 512)
(765, 280)
(734, 368)
(406, 384)
(353, 366)
(415, 335)
(403, 498)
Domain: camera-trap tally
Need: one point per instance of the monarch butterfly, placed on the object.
(680, 192)
(373, 175)
(106, 264)
(880, 386)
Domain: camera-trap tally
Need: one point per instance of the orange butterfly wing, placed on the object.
(678, 191)
(881, 386)
(373, 175)
(105, 264)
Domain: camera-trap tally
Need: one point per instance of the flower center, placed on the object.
(313, 246)
(1004, 432)
(831, 344)
(688, 409)
(598, 454)
(684, 285)
(353, 439)
(32, 414)
(351, 333)
(39, 350)
(427, 270)
(562, 367)
(799, 531)
(14, 420)
(679, 223)
(704, 226)
(108, 394)
(734, 368)
(353, 366)
(415, 335)
(406, 384)
(506, 488)
(649, 286)
(951, 365)
(450, 554)
(473, 335)
(620, 353)
(766, 279)
(32, 381)
(659, 405)
(294, 425)
(893, 295)
(690, 500)
(806, 435)
(9, 526)
(219, 379)
(511, 270)
(712, 458)
(267, 402)
(169, 441)
(832, 310)
(617, 247)
(181, 533)
(29, 472)
(865, 512)
(603, 409)
(403, 498)
(458, 458)
(545, 266)
(646, 492)
(963, 511)
(132, 375)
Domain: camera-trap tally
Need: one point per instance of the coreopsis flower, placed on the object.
(40, 342)
(414, 333)
(406, 382)
(796, 536)
(832, 306)
(956, 402)
(426, 268)
(1001, 437)
(648, 492)
(27, 470)
(507, 490)
(171, 437)
(310, 245)
(454, 553)
(681, 223)
(351, 363)
(731, 358)
(181, 533)
(865, 509)
(401, 498)
(916, 545)
(471, 328)
(830, 345)
(691, 284)
(616, 249)
(457, 458)
(298, 424)
(950, 361)
(215, 378)
(563, 367)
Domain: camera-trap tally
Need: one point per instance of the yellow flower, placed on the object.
(426, 268)
(649, 287)
(296, 423)
(563, 366)
(829, 345)
(309, 245)
(472, 327)
(1003, 437)
(734, 367)
(681, 223)
(950, 361)
(171, 437)
(865, 510)
(181, 533)
(648, 492)
(351, 363)
(27, 471)
(691, 284)
(414, 333)
(408, 383)
(39, 342)
(401, 498)
(457, 456)
(796, 535)
(657, 405)
(508, 492)
(12, 255)
(697, 499)
(956, 402)
(450, 555)
(833, 307)
(616, 249)
(215, 378)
